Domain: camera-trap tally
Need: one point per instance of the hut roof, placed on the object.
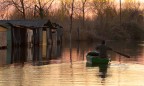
(27, 23)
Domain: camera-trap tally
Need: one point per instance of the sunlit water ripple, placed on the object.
(37, 68)
(75, 74)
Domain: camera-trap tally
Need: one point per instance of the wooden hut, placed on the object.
(23, 32)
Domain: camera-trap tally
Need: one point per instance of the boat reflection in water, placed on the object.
(103, 68)
(27, 67)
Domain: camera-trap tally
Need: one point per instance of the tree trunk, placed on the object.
(23, 8)
(83, 11)
(71, 24)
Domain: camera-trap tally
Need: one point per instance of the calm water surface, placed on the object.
(55, 66)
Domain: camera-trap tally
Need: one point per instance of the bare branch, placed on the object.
(50, 4)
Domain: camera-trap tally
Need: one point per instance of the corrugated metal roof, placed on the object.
(35, 23)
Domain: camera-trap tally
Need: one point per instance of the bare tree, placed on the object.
(71, 17)
(100, 7)
(19, 5)
(83, 11)
(40, 7)
(64, 10)
(71, 24)
(23, 8)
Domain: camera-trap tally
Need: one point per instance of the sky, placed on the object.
(142, 1)
(57, 1)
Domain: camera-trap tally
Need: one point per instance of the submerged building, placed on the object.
(22, 33)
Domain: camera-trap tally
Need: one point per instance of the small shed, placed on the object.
(21, 32)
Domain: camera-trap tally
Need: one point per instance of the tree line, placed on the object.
(91, 19)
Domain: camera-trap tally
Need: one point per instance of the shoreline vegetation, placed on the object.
(103, 24)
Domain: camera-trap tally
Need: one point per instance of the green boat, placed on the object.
(93, 58)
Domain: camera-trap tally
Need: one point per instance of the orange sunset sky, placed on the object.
(5, 13)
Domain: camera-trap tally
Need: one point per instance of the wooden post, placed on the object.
(41, 36)
(29, 37)
(49, 32)
(9, 34)
(34, 36)
(49, 36)
(49, 52)
(19, 38)
(78, 34)
(40, 55)
(59, 35)
(35, 53)
(16, 37)
(37, 36)
(9, 44)
(13, 37)
(23, 36)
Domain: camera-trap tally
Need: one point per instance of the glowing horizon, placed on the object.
(56, 4)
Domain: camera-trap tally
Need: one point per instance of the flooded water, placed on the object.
(57, 66)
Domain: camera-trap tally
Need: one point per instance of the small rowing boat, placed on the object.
(93, 58)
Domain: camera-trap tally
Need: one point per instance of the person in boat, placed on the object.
(102, 49)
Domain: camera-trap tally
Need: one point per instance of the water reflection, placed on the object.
(50, 66)
(53, 52)
(42, 55)
(18, 55)
(102, 69)
(37, 55)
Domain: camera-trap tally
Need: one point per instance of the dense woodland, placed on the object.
(88, 19)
